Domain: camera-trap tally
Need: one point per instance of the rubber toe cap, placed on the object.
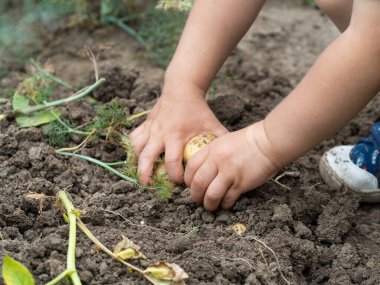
(338, 170)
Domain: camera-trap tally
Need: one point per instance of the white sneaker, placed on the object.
(339, 171)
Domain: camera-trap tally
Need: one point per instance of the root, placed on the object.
(312, 187)
(138, 225)
(273, 253)
(93, 59)
(294, 173)
(247, 261)
(262, 255)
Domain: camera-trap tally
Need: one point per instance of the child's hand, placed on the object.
(229, 166)
(180, 114)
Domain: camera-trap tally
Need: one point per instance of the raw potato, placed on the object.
(191, 148)
(160, 169)
(196, 144)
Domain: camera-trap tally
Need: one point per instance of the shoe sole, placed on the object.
(334, 182)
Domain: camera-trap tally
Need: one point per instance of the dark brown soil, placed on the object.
(317, 236)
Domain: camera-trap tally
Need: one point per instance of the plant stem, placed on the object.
(68, 128)
(79, 146)
(50, 76)
(128, 29)
(100, 163)
(89, 234)
(76, 96)
(116, 163)
(69, 207)
(138, 115)
(60, 277)
(101, 246)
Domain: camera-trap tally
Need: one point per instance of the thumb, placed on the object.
(220, 131)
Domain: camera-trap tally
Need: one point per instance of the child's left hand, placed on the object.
(231, 165)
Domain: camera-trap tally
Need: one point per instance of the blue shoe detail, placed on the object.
(366, 153)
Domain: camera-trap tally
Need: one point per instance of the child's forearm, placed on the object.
(212, 30)
(342, 81)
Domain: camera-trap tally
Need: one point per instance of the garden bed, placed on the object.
(297, 228)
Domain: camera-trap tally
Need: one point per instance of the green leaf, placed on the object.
(19, 101)
(36, 119)
(14, 273)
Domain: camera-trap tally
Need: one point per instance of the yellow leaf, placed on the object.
(166, 273)
(128, 253)
(126, 250)
(14, 273)
(160, 271)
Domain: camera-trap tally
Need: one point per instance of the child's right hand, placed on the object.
(180, 114)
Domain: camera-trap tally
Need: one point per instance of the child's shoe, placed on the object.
(356, 168)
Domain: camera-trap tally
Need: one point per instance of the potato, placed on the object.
(196, 144)
(160, 169)
(191, 148)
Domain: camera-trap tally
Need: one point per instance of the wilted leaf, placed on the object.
(237, 228)
(163, 273)
(14, 273)
(37, 196)
(126, 250)
(19, 101)
(36, 119)
(128, 253)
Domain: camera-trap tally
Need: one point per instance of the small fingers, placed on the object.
(215, 192)
(230, 198)
(139, 138)
(220, 131)
(194, 163)
(201, 181)
(173, 160)
(147, 159)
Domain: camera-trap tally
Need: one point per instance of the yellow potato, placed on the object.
(191, 148)
(237, 228)
(196, 144)
(160, 169)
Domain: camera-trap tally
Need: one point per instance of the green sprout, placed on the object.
(111, 117)
(157, 30)
(130, 166)
(57, 132)
(14, 273)
(37, 89)
(161, 180)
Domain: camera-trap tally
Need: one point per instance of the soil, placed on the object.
(315, 235)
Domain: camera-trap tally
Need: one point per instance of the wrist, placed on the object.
(175, 86)
(257, 136)
(188, 73)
